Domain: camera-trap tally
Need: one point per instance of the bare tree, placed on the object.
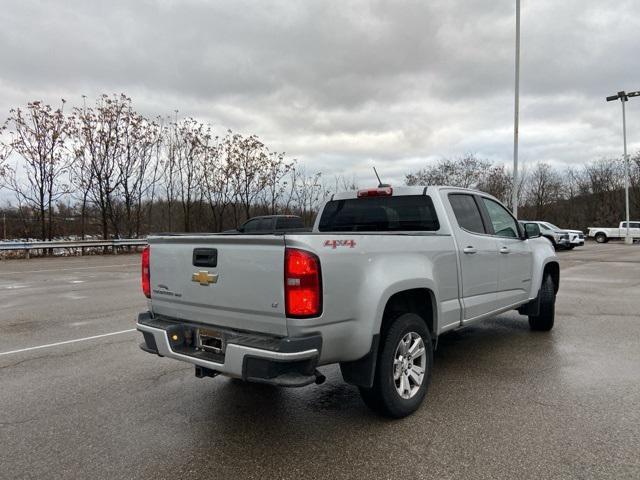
(136, 160)
(187, 146)
(80, 173)
(98, 136)
(466, 172)
(216, 184)
(5, 151)
(544, 188)
(248, 169)
(497, 181)
(308, 191)
(38, 136)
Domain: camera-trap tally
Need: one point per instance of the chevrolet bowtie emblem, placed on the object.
(204, 278)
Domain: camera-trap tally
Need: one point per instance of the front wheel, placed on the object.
(547, 312)
(403, 370)
(601, 238)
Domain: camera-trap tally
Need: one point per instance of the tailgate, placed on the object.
(233, 281)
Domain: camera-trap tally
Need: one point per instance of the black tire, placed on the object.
(601, 237)
(544, 320)
(571, 247)
(383, 397)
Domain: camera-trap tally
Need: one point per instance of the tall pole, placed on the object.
(624, 97)
(627, 239)
(516, 113)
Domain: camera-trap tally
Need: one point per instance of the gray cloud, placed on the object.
(344, 85)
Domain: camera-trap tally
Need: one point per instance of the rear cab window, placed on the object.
(405, 213)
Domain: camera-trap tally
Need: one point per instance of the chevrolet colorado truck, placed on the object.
(383, 273)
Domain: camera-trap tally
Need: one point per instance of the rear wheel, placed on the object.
(403, 370)
(546, 315)
(601, 237)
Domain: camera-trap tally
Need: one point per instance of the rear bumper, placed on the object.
(286, 361)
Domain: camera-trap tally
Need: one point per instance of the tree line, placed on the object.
(105, 170)
(573, 197)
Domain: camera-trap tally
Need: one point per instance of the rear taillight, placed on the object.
(302, 284)
(146, 280)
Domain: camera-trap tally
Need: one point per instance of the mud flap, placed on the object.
(531, 308)
(361, 372)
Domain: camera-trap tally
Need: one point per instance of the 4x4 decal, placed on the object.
(339, 243)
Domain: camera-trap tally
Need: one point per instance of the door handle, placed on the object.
(469, 250)
(505, 250)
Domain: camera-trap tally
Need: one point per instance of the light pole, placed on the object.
(516, 113)
(624, 97)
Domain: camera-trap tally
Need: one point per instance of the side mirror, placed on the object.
(532, 230)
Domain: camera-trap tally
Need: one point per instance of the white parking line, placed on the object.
(67, 342)
(72, 269)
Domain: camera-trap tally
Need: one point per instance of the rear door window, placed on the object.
(285, 223)
(265, 225)
(250, 226)
(409, 213)
(467, 212)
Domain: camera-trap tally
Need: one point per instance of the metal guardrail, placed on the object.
(81, 244)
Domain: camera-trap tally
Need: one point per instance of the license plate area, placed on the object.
(210, 341)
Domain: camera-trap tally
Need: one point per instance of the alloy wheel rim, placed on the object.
(409, 365)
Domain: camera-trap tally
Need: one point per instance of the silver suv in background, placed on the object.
(559, 237)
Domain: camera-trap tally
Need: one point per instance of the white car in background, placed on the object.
(560, 237)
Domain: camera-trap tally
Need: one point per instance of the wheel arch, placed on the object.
(552, 268)
(419, 300)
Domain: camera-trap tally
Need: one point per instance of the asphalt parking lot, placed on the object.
(504, 402)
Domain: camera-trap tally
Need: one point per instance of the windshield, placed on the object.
(552, 226)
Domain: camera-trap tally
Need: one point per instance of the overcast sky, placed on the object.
(345, 85)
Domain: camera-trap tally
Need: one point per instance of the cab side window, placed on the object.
(250, 226)
(504, 225)
(467, 212)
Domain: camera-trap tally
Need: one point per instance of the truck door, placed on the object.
(515, 257)
(478, 256)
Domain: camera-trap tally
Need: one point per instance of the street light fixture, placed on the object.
(624, 97)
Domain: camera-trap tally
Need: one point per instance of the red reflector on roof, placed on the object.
(376, 192)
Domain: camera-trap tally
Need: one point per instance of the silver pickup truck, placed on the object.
(383, 273)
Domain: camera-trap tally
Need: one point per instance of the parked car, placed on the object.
(603, 235)
(384, 272)
(560, 237)
(271, 223)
